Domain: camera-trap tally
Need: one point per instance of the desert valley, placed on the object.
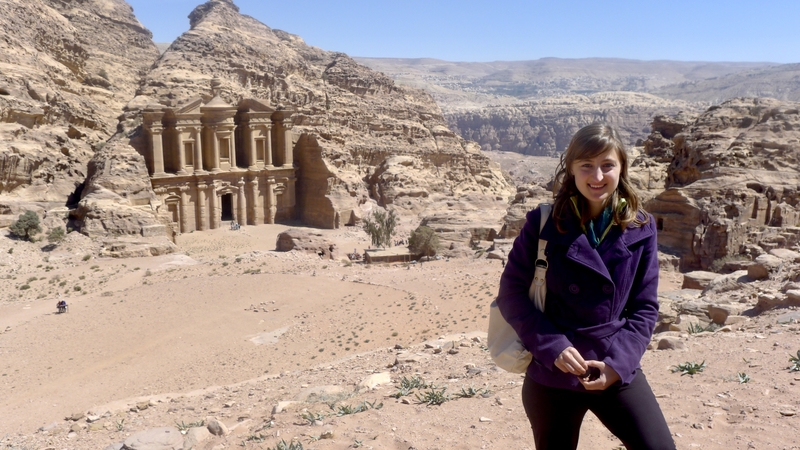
(199, 205)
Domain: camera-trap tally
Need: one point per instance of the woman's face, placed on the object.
(597, 178)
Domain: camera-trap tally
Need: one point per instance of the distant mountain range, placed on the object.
(533, 107)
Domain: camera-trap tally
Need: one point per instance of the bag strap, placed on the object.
(538, 289)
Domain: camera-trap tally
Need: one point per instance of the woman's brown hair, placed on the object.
(589, 142)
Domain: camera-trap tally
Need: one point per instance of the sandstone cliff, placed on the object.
(67, 70)
(359, 139)
(732, 183)
(533, 107)
(545, 127)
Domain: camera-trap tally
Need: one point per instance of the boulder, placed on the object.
(698, 279)
(671, 343)
(166, 438)
(195, 436)
(736, 281)
(763, 266)
(785, 254)
(683, 322)
(375, 380)
(216, 427)
(306, 240)
(719, 314)
(282, 406)
(669, 263)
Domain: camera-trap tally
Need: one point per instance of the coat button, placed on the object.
(573, 288)
(608, 289)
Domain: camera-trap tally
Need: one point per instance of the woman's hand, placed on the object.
(608, 376)
(570, 361)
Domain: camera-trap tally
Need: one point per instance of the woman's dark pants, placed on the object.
(630, 412)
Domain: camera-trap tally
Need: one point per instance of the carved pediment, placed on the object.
(190, 107)
(255, 105)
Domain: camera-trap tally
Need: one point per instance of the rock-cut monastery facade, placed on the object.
(216, 162)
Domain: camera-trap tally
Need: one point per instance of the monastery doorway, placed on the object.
(174, 212)
(227, 207)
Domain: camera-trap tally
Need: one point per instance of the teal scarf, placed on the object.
(597, 228)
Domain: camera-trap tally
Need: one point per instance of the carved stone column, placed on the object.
(179, 148)
(215, 149)
(158, 151)
(256, 214)
(185, 208)
(216, 216)
(272, 207)
(198, 151)
(288, 156)
(290, 193)
(242, 206)
(251, 139)
(268, 150)
(202, 219)
(232, 152)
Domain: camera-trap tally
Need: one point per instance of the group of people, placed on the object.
(601, 304)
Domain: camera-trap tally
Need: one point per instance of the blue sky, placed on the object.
(684, 30)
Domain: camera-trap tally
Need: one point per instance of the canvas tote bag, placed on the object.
(505, 347)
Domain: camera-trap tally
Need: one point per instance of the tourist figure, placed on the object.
(601, 305)
(61, 306)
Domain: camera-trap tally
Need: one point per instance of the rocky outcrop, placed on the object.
(68, 69)
(545, 127)
(359, 140)
(732, 183)
(305, 241)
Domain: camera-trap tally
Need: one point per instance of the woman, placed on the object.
(601, 304)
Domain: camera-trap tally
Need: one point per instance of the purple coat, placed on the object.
(601, 301)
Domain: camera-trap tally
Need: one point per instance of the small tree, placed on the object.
(423, 241)
(381, 227)
(26, 226)
(56, 235)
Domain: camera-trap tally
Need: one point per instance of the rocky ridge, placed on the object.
(779, 82)
(732, 182)
(68, 69)
(497, 103)
(544, 127)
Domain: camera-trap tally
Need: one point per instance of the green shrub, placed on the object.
(689, 368)
(27, 226)
(423, 241)
(56, 235)
(381, 227)
(795, 362)
(433, 396)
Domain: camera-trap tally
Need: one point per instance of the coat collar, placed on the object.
(613, 248)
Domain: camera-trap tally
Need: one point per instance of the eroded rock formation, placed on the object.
(732, 184)
(68, 69)
(545, 127)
